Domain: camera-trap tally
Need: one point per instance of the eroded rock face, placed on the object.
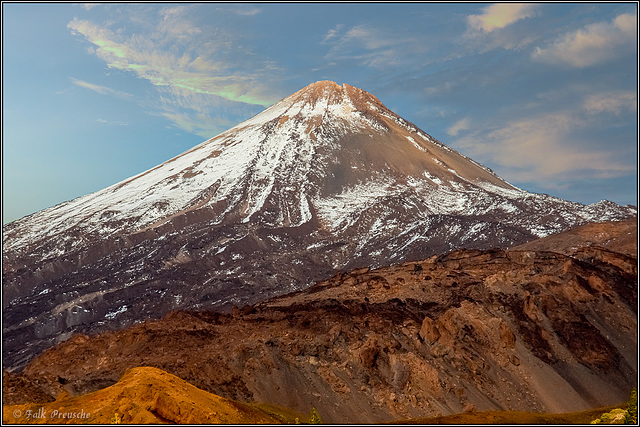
(513, 330)
(429, 331)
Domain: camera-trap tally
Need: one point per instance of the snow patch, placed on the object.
(415, 144)
(343, 209)
(112, 315)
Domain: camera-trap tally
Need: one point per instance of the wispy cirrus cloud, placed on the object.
(615, 102)
(201, 115)
(459, 126)
(367, 37)
(332, 33)
(373, 46)
(174, 24)
(198, 71)
(115, 123)
(593, 44)
(200, 124)
(101, 89)
(246, 12)
(499, 15)
(163, 66)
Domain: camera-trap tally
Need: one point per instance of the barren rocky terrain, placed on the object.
(142, 396)
(519, 330)
(616, 236)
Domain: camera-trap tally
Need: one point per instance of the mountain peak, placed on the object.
(327, 93)
(326, 179)
(324, 83)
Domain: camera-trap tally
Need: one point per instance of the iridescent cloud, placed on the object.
(168, 63)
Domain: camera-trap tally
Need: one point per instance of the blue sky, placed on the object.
(544, 94)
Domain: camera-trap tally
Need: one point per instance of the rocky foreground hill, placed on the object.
(521, 330)
(145, 396)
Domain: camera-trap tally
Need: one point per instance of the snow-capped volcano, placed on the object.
(326, 179)
(325, 145)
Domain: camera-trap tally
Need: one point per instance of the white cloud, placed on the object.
(200, 124)
(500, 15)
(595, 43)
(371, 46)
(332, 33)
(116, 123)
(369, 38)
(101, 89)
(544, 149)
(247, 12)
(439, 89)
(175, 24)
(495, 29)
(614, 102)
(457, 127)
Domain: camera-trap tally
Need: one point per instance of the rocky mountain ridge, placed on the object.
(326, 180)
(519, 330)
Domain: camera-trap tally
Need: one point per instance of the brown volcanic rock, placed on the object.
(429, 331)
(507, 330)
(142, 396)
(18, 388)
(616, 236)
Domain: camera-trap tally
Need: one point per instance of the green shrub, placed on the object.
(614, 417)
(621, 416)
(631, 417)
(314, 416)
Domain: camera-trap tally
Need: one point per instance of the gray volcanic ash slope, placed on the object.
(328, 179)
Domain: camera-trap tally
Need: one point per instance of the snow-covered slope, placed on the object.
(324, 180)
(276, 153)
